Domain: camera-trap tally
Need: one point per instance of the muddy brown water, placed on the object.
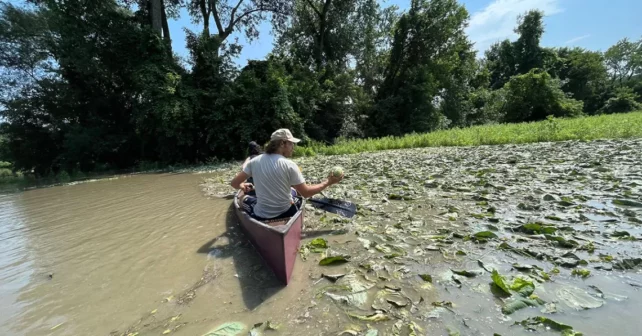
(99, 258)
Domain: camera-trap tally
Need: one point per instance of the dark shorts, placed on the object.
(250, 201)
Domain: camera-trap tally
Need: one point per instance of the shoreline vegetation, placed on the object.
(607, 126)
(612, 126)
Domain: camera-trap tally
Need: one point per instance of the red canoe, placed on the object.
(276, 241)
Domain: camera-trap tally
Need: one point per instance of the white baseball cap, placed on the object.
(284, 134)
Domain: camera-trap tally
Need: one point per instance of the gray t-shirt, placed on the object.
(273, 174)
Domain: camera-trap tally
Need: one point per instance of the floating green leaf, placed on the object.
(485, 235)
(562, 242)
(584, 273)
(426, 277)
(536, 228)
(626, 202)
(469, 274)
(334, 260)
(519, 303)
(498, 280)
(523, 286)
(318, 243)
(566, 330)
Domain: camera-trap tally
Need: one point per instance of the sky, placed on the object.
(590, 24)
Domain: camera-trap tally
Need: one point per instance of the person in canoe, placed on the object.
(254, 150)
(277, 180)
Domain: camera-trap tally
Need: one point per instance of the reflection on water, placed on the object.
(96, 258)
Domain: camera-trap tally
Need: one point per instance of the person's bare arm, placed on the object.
(238, 182)
(308, 191)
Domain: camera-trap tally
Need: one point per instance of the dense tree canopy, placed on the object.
(93, 85)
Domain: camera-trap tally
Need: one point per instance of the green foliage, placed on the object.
(257, 104)
(426, 74)
(583, 128)
(584, 76)
(535, 95)
(92, 86)
(624, 60)
(624, 100)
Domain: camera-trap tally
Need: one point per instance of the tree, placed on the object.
(156, 13)
(535, 95)
(257, 104)
(583, 75)
(624, 60)
(623, 100)
(426, 66)
(527, 51)
(506, 59)
(241, 15)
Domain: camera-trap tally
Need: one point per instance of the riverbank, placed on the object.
(18, 182)
(611, 126)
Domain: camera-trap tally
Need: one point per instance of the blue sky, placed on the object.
(591, 24)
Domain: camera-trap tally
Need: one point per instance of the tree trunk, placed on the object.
(166, 34)
(156, 16)
(205, 12)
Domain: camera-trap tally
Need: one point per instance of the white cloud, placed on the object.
(579, 38)
(497, 21)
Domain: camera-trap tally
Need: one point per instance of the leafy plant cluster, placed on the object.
(94, 85)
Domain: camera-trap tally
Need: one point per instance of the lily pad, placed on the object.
(334, 257)
(485, 235)
(334, 260)
(628, 203)
(426, 277)
(227, 329)
(536, 228)
(523, 286)
(584, 273)
(629, 263)
(353, 291)
(376, 317)
(498, 280)
(318, 243)
(566, 330)
(517, 304)
(577, 298)
(469, 274)
(562, 242)
(522, 267)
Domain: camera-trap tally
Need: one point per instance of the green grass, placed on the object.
(612, 126)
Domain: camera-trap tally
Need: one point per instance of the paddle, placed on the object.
(339, 207)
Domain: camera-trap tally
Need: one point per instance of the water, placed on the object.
(96, 258)
(150, 254)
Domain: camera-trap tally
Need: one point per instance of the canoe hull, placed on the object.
(277, 242)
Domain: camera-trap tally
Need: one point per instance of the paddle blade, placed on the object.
(339, 207)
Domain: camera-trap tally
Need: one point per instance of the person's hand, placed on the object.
(246, 187)
(334, 179)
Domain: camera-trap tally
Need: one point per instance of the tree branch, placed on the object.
(230, 25)
(313, 7)
(217, 18)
